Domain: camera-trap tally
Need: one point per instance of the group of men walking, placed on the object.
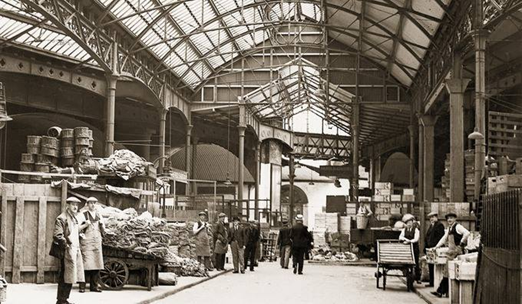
(294, 241)
(242, 238)
(77, 243)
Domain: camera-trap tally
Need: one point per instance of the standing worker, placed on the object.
(284, 244)
(66, 247)
(250, 249)
(456, 236)
(433, 236)
(237, 239)
(301, 242)
(411, 235)
(91, 246)
(201, 232)
(220, 241)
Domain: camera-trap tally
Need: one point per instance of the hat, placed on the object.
(299, 217)
(433, 213)
(451, 214)
(72, 199)
(236, 218)
(408, 217)
(92, 199)
(202, 213)
(222, 215)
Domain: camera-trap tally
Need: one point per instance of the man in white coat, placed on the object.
(91, 246)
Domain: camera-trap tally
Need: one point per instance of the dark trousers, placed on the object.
(94, 276)
(431, 268)
(444, 286)
(298, 258)
(250, 256)
(205, 260)
(416, 252)
(220, 261)
(64, 289)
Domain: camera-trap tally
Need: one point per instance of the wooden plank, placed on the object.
(3, 230)
(33, 268)
(42, 224)
(64, 194)
(18, 240)
(32, 198)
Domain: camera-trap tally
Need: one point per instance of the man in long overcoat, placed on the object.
(66, 247)
(301, 242)
(220, 236)
(91, 246)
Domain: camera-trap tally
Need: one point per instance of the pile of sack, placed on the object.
(189, 267)
(124, 163)
(182, 239)
(333, 256)
(143, 233)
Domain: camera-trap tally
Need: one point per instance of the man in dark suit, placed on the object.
(301, 242)
(284, 243)
(433, 236)
(237, 239)
(250, 249)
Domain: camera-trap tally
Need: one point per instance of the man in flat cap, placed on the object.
(66, 247)
(201, 234)
(433, 236)
(301, 242)
(91, 245)
(284, 243)
(220, 241)
(456, 236)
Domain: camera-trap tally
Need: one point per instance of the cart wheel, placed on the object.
(114, 275)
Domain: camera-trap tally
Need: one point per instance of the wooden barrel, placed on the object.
(67, 143)
(54, 131)
(78, 149)
(67, 134)
(26, 167)
(91, 143)
(81, 141)
(23, 178)
(49, 151)
(90, 133)
(28, 158)
(54, 161)
(67, 152)
(33, 149)
(50, 142)
(33, 140)
(41, 167)
(81, 132)
(43, 159)
(67, 161)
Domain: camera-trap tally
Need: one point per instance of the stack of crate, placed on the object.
(383, 192)
(327, 222)
(469, 163)
(345, 224)
(443, 208)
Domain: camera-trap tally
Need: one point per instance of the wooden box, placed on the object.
(503, 183)
(465, 271)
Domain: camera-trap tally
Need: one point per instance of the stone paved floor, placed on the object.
(270, 284)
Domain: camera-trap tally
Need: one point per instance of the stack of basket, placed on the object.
(82, 142)
(67, 147)
(26, 165)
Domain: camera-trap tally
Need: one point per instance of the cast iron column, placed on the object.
(480, 37)
(257, 180)
(291, 176)
(241, 172)
(162, 131)
(456, 87)
(355, 151)
(420, 183)
(110, 112)
(428, 123)
(188, 157)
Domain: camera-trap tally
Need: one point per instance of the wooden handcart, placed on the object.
(269, 247)
(395, 255)
(120, 262)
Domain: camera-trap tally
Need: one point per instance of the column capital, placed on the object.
(241, 129)
(457, 85)
(428, 120)
(189, 129)
(112, 79)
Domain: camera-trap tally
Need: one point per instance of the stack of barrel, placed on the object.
(67, 148)
(83, 142)
(27, 163)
